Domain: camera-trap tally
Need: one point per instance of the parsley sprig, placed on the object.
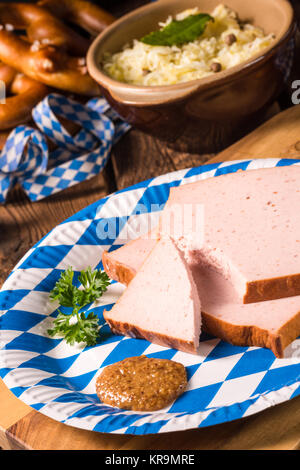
(77, 327)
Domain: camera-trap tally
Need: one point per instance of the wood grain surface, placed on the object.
(22, 427)
(135, 158)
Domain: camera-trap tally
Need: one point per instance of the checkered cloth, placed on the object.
(225, 382)
(26, 157)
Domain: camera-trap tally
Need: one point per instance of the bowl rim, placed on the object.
(224, 76)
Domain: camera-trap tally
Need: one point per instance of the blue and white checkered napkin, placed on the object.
(27, 159)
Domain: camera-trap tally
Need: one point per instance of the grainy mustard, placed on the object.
(141, 383)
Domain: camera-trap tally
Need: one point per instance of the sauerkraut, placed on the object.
(226, 42)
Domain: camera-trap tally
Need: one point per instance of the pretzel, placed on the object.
(83, 13)
(7, 75)
(50, 53)
(47, 53)
(26, 94)
(3, 138)
(42, 26)
(17, 109)
(47, 65)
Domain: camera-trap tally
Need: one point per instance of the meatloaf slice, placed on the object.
(250, 232)
(122, 264)
(273, 324)
(161, 303)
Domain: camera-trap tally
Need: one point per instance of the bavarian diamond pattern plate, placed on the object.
(225, 382)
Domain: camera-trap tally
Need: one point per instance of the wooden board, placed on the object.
(149, 157)
(138, 157)
(276, 138)
(22, 427)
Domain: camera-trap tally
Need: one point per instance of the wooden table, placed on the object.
(135, 158)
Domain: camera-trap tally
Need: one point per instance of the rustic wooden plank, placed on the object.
(273, 429)
(138, 156)
(13, 410)
(31, 221)
(23, 223)
(29, 430)
(277, 138)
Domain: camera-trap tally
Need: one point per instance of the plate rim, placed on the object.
(84, 212)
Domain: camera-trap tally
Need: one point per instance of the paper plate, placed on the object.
(225, 382)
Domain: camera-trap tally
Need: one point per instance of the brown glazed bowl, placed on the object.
(207, 114)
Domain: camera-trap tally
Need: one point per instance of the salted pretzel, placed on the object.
(48, 65)
(51, 52)
(22, 94)
(39, 52)
(83, 13)
(41, 25)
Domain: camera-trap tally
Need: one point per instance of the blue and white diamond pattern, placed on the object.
(225, 382)
(26, 158)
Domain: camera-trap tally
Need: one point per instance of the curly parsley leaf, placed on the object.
(95, 283)
(179, 32)
(83, 329)
(77, 327)
(64, 291)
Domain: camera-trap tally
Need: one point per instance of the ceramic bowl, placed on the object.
(206, 114)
